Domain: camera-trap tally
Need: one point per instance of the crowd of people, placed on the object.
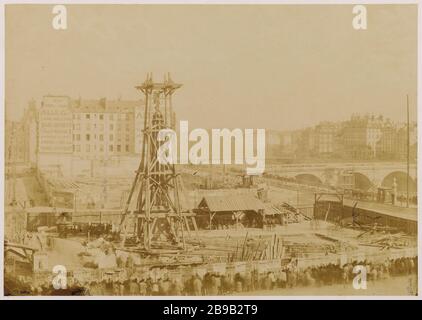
(213, 283)
(90, 230)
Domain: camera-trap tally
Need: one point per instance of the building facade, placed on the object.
(55, 126)
(64, 129)
(30, 131)
(55, 145)
(14, 142)
(103, 129)
(401, 151)
(325, 139)
(360, 136)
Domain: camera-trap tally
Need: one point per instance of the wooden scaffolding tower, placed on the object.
(156, 187)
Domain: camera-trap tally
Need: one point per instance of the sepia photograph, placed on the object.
(210, 150)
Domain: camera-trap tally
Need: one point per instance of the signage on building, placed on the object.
(55, 125)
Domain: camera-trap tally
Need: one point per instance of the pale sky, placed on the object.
(280, 67)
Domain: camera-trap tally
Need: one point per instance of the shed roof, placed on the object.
(232, 203)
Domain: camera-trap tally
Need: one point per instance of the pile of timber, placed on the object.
(340, 244)
(396, 241)
(258, 249)
(291, 214)
(303, 249)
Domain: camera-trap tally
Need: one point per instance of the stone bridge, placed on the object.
(364, 176)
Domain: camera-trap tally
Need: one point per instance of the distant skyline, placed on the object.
(279, 67)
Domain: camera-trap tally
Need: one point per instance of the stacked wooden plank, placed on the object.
(258, 249)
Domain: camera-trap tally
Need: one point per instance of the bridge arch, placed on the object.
(309, 179)
(362, 182)
(401, 180)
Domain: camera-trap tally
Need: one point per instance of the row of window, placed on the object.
(77, 137)
(111, 148)
(111, 116)
(100, 126)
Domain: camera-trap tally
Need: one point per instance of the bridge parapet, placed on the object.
(373, 174)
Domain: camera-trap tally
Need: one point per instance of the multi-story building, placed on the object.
(30, 131)
(55, 145)
(14, 142)
(70, 133)
(360, 138)
(393, 142)
(138, 126)
(64, 129)
(318, 141)
(304, 142)
(273, 145)
(324, 138)
(388, 143)
(360, 135)
(86, 128)
(401, 151)
(55, 126)
(105, 128)
(288, 144)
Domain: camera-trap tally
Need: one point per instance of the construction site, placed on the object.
(166, 229)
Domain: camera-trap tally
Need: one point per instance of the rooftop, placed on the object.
(104, 105)
(232, 203)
